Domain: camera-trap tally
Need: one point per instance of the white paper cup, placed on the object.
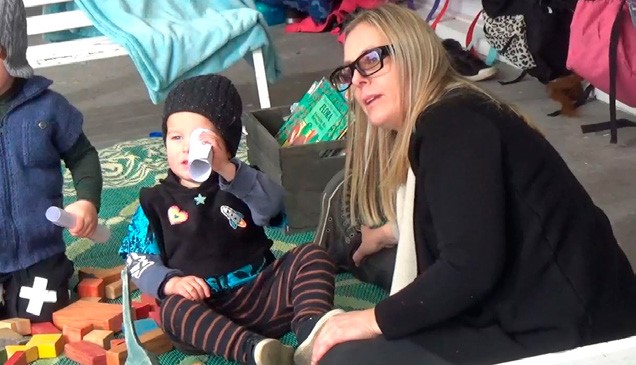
(200, 157)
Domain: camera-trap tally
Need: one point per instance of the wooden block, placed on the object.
(44, 328)
(156, 341)
(3, 355)
(19, 325)
(18, 358)
(74, 332)
(91, 288)
(100, 338)
(31, 353)
(141, 310)
(108, 275)
(103, 316)
(85, 353)
(113, 290)
(142, 326)
(10, 337)
(92, 299)
(116, 342)
(49, 346)
(155, 316)
(147, 299)
(117, 355)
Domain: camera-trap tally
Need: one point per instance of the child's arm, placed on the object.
(262, 195)
(143, 258)
(83, 162)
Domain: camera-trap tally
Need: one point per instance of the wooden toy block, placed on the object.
(10, 337)
(91, 288)
(19, 325)
(155, 341)
(74, 332)
(143, 325)
(155, 316)
(108, 275)
(3, 355)
(18, 358)
(100, 338)
(116, 342)
(49, 345)
(30, 353)
(85, 353)
(113, 290)
(147, 299)
(117, 355)
(44, 328)
(103, 316)
(92, 299)
(142, 310)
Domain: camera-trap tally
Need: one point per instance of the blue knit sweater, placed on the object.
(38, 127)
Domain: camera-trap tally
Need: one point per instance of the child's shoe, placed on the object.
(303, 353)
(269, 351)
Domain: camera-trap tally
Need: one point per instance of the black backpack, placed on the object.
(532, 34)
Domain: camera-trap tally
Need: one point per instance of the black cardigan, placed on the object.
(506, 236)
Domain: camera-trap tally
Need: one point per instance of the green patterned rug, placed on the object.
(131, 165)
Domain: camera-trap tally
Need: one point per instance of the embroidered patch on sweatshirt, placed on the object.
(235, 218)
(176, 215)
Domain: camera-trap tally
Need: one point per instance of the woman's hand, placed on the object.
(221, 163)
(189, 287)
(86, 221)
(373, 240)
(349, 326)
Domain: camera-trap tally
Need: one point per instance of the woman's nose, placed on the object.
(357, 79)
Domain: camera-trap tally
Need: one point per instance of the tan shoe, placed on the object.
(270, 351)
(303, 353)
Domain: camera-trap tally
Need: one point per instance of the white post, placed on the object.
(261, 78)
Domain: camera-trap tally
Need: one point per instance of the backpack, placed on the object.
(603, 52)
(532, 34)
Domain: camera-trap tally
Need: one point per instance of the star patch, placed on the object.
(200, 199)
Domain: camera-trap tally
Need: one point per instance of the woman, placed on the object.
(501, 252)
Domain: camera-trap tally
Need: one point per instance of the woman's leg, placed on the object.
(446, 344)
(380, 351)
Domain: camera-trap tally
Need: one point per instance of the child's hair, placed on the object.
(13, 38)
(214, 97)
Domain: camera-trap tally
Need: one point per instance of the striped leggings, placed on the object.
(298, 285)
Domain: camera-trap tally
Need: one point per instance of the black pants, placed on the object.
(446, 344)
(56, 271)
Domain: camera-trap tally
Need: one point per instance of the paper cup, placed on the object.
(200, 157)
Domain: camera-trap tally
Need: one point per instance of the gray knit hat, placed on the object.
(13, 37)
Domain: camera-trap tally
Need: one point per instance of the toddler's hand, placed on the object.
(189, 287)
(86, 214)
(220, 157)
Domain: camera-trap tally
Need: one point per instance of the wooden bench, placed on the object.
(94, 48)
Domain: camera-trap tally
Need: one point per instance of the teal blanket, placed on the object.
(169, 40)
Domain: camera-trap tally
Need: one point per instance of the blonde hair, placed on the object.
(377, 159)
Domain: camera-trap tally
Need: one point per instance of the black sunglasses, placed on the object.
(368, 63)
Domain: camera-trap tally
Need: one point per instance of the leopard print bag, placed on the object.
(507, 34)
